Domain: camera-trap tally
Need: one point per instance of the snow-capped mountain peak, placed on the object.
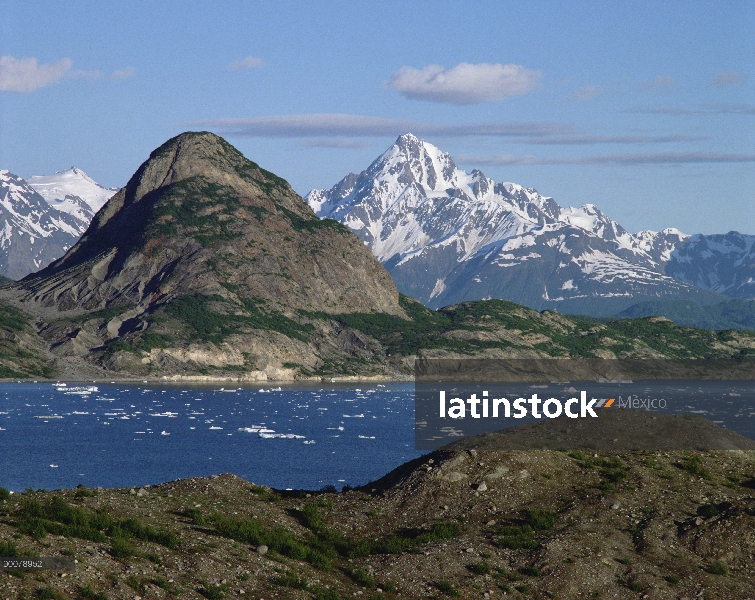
(61, 189)
(33, 232)
(441, 232)
(413, 195)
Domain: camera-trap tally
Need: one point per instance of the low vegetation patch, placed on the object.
(448, 588)
(213, 318)
(717, 568)
(57, 517)
(522, 535)
(324, 543)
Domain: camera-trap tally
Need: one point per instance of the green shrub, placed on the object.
(57, 517)
(251, 531)
(122, 548)
(213, 592)
(292, 580)
(707, 510)
(150, 340)
(84, 493)
(363, 578)
(717, 568)
(8, 549)
(540, 520)
(530, 570)
(87, 593)
(390, 587)
(4, 494)
(635, 586)
(323, 593)
(13, 319)
(523, 588)
(447, 588)
(480, 568)
(441, 531)
(200, 312)
(692, 465)
(119, 345)
(517, 537)
(312, 517)
(196, 516)
(163, 584)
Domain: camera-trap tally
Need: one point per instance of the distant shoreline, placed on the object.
(172, 379)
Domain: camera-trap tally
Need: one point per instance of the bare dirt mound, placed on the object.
(614, 430)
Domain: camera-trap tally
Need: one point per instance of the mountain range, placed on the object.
(448, 236)
(206, 266)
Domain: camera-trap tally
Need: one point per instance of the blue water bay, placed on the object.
(122, 435)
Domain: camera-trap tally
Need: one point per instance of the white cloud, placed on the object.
(122, 73)
(710, 109)
(614, 139)
(79, 74)
(662, 158)
(727, 78)
(344, 143)
(250, 62)
(27, 75)
(588, 92)
(329, 125)
(660, 83)
(465, 83)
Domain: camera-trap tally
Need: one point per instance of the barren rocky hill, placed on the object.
(200, 246)
(199, 218)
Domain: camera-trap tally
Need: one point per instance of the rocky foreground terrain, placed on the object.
(460, 522)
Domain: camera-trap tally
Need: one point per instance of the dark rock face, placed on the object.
(199, 218)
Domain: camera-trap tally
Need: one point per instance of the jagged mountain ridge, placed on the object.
(447, 236)
(724, 263)
(33, 232)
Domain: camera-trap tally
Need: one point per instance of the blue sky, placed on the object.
(645, 109)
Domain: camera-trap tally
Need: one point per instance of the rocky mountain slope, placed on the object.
(665, 525)
(204, 258)
(72, 191)
(447, 236)
(189, 339)
(33, 233)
